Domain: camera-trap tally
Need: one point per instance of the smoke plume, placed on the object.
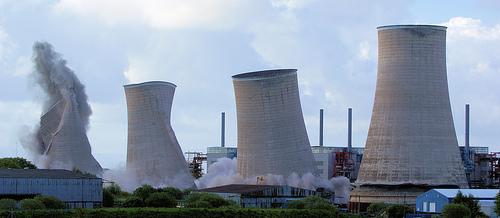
(224, 172)
(56, 81)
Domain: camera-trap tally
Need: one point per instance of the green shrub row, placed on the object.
(174, 212)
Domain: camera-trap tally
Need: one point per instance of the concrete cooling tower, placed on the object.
(64, 140)
(61, 139)
(272, 137)
(411, 145)
(153, 153)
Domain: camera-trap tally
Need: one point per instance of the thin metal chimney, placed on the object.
(467, 148)
(349, 129)
(223, 129)
(321, 127)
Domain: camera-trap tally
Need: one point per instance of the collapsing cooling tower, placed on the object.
(62, 139)
(153, 153)
(411, 144)
(272, 137)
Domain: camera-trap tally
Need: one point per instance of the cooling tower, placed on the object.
(64, 140)
(411, 144)
(153, 153)
(272, 137)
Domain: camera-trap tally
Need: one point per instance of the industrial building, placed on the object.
(434, 200)
(272, 137)
(214, 153)
(154, 155)
(260, 196)
(77, 190)
(337, 161)
(411, 144)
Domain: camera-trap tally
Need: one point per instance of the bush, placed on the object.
(455, 211)
(133, 201)
(108, 199)
(376, 209)
(51, 202)
(144, 191)
(161, 199)
(174, 192)
(31, 204)
(174, 212)
(206, 200)
(7, 204)
(397, 210)
(311, 202)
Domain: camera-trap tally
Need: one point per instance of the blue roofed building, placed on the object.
(434, 200)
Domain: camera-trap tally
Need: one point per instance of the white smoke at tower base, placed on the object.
(224, 172)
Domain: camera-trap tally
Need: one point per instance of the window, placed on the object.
(432, 207)
(424, 207)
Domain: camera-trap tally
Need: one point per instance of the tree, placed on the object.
(7, 204)
(206, 200)
(497, 203)
(470, 203)
(397, 210)
(16, 163)
(311, 202)
(133, 201)
(51, 202)
(455, 211)
(161, 199)
(144, 191)
(114, 189)
(174, 192)
(31, 204)
(376, 209)
(108, 199)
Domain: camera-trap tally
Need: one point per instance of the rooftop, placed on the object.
(265, 74)
(43, 173)
(238, 188)
(149, 84)
(477, 193)
(436, 27)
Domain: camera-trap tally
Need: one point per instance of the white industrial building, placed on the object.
(77, 190)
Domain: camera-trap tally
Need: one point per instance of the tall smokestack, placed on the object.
(349, 129)
(223, 129)
(320, 127)
(467, 149)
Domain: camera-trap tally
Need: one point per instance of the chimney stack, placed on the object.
(223, 129)
(349, 129)
(321, 127)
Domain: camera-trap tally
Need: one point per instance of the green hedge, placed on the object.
(174, 212)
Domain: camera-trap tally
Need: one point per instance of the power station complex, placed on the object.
(272, 137)
(153, 153)
(411, 146)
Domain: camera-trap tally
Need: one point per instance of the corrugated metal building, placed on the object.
(75, 189)
(260, 196)
(434, 200)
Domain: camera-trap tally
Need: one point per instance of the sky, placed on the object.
(200, 44)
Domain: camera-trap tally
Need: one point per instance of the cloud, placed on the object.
(207, 14)
(462, 28)
(474, 75)
(6, 45)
